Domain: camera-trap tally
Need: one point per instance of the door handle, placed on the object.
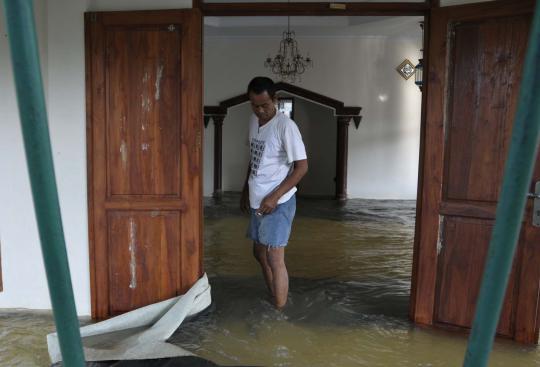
(536, 204)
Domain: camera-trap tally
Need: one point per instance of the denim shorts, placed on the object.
(273, 229)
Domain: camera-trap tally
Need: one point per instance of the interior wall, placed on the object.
(235, 147)
(317, 126)
(359, 71)
(60, 26)
(21, 256)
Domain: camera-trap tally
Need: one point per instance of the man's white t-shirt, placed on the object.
(273, 148)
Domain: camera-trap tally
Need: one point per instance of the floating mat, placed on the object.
(141, 334)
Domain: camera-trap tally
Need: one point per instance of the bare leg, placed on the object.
(259, 251)
(276, 260)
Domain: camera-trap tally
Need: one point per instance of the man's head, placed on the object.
(262, 94)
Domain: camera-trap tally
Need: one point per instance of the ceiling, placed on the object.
(335, 26)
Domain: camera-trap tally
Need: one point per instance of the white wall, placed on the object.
(18, 231)
(317, 125)
(60, 25)
(360, 71)
(60, 28)
(235, 148)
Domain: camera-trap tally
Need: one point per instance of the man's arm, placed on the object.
(270, 202)
(244, 200)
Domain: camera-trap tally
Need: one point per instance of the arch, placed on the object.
(344, 115)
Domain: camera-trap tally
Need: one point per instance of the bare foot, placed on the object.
(278, 306)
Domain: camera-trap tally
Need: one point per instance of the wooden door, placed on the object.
(476, 53)
(144, 119)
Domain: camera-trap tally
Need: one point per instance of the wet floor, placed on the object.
(349, 289)
(350, 280)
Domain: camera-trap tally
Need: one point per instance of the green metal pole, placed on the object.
(25, 58)
(517, 177)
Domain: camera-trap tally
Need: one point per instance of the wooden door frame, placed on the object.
(223, 9)
(357, 9)
(421, 301)
(316, 8)
(425, 261)
(422, 306)
(191, 113)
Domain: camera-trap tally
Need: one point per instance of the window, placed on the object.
(286, 105)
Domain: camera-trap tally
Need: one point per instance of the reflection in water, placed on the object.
(22, 338)
(350, 271)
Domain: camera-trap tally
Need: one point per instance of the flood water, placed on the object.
(349, 268)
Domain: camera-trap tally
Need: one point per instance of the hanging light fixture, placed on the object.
(288, 63)
(419, 69)
(419, 74)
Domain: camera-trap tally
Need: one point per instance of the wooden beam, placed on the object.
(342, 149)
(316, 97)
(234, 101)
(421, 161)
(348, 111)
(214, 110)
(338, 106)
(314, 8)
(218, 154)
(206, 120)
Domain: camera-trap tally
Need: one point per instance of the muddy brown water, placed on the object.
(349, 268)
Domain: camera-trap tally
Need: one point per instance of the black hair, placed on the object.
(261, 84)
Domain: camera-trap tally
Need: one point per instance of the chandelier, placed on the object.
(288, 63)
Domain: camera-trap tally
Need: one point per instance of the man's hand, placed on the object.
(268, 204)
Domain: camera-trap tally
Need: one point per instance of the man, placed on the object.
(278, 162)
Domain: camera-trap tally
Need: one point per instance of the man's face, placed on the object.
(263, 106)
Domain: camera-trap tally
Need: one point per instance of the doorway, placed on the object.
(375, 158)
(427, 267)
(350, 263)
(426, 259)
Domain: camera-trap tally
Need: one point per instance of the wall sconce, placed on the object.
(419, 74)
(419, 69)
